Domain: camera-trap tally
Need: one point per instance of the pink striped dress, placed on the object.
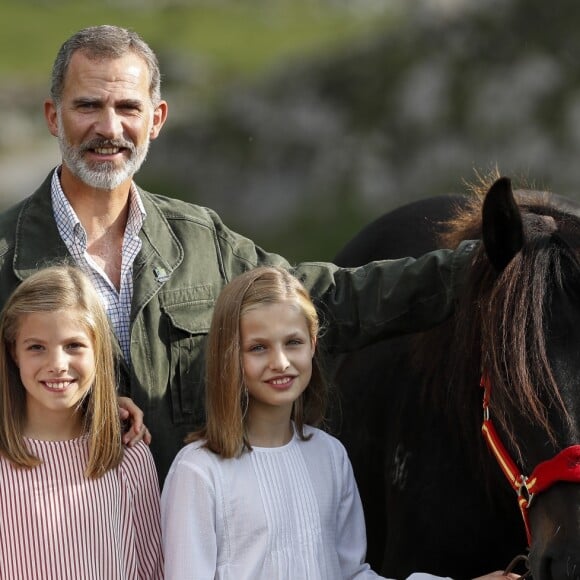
(56, 524)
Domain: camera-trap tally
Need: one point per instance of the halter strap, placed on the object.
(565, 466)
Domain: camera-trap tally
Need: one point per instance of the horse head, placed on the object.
(528, 272)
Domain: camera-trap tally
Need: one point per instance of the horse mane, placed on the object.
(499, 321)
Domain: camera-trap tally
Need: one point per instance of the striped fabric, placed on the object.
(291, 510)
(56, 524)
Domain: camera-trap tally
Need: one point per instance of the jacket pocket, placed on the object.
(188, 324)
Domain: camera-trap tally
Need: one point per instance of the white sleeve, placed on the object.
(188, 523)
(351, 539)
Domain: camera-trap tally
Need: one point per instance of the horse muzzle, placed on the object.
(555, 526)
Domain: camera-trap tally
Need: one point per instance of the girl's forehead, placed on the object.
(56, 321)
(280, 317)
(270, 308)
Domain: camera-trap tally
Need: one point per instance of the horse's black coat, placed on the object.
(434, 499)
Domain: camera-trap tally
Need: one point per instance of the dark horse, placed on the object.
(435, 498)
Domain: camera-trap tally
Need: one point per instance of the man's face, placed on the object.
(105, 120)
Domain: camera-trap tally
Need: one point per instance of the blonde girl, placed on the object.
(74, 502)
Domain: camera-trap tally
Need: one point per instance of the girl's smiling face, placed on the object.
(55, 357)
(277, 353)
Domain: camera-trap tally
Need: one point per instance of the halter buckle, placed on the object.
(524, 491)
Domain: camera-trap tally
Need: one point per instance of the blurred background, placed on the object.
(301, 120)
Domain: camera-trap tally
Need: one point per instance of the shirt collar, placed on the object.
(68, 223)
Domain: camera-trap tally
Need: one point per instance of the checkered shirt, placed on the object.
(117, 303)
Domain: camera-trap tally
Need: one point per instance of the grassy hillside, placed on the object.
(232, 37)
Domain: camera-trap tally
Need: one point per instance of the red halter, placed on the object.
(565, 466)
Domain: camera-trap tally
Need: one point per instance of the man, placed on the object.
(159, 263)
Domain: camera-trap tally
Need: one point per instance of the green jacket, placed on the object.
(186, 258)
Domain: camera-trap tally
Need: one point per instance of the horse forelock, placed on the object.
(466, 223)
(517, 312)
(500, 321)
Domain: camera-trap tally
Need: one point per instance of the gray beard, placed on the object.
(104, 175)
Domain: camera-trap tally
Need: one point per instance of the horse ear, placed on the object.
(502, 229)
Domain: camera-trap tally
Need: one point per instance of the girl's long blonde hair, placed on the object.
(224, 430)
(53, 289)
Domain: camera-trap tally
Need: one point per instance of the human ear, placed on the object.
(51, 116)
(159, 117)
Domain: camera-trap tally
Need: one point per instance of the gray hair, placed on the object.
(105, 42)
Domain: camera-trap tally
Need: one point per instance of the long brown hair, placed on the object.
(59, 288)
(224, 430)
(499, 320)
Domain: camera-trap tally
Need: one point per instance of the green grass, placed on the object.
(237, 37)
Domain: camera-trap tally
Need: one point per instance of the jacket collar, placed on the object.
(38, 243)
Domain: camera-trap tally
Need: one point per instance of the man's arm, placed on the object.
(362, 305)
(386, 298)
